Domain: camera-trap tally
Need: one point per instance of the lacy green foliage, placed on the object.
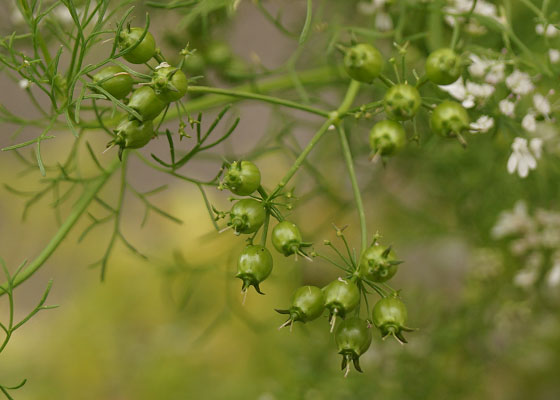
(10, 327)
(66, 97)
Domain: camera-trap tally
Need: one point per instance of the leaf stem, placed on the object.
(256, 96)
(355, 188)
(351, 93)
(80, 207)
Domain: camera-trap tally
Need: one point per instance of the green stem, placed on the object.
(170, 172)
(457, 32)
(386, 81)
(315, 76)
(79, 208)
(470, 13)
(351, 94)
(303, 155)
(265, 229)
(117, 223)
(355, 188)
(256, 96)
(364, 107)
(333, 118)
(330, 260)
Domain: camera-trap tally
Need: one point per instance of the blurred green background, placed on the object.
(173, 327)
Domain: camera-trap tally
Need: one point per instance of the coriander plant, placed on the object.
(378, 80)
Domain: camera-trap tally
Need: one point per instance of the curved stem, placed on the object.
(265, 229)
(117, 222)
(330, 260)
(216, 98)
(79, 208)
(333, 118)
(355, 188)
(349, 97)
(303, 155)
(152, 165)
(315, 76)
(375, 287)
(457, 30)
(256, 96)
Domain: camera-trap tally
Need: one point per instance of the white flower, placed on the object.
(530, 273)
(550, 31)
(493, 71)
(513, 222)
(519, 83)
(526, 277)
(163, 65)
(24, 84)
(480, 90)
(468, 92)
(496, 73)
(483, 124)
(478, 66)
(522, 159)
(549, 219)
(457, 89)
(536, 147)
(554, 55)
(468, 102)
(507, 107)
(553, 277)
(370, 7)
(482, 7)
(542, 105)
(529, 122)
(383, 22)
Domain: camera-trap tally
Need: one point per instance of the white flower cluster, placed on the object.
(554, 55)
(486, 75)
(525, 153)
(519, 83)
(472, 94)
(482, 124)
(491, 71)
(469, 93)
(482, 7)
(524, 156)
(549, 31)
(534, 236)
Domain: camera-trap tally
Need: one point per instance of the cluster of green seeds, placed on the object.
(339, 299)
(402, 101)
(149, 99)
